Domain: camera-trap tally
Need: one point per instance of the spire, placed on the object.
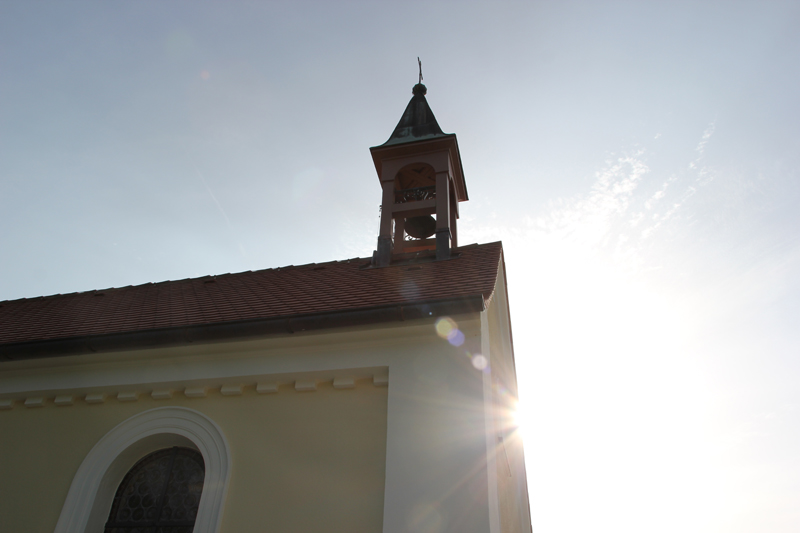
(417, 122)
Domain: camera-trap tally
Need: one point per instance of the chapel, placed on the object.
(371, 394)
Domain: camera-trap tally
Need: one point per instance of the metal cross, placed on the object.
(420, 69)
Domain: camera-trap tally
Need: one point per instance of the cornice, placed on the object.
(268, 365)
(210, 389)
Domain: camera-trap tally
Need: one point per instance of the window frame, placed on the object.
(95, 483)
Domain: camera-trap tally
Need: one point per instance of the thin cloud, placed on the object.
(701, 147)
(702, 175)
(216, 202)
(617, 215)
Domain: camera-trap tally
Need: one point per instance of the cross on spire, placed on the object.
(420, 69)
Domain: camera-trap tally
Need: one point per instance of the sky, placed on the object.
(639, 160)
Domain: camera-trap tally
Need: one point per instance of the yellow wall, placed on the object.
(301, 461)
(511, 480)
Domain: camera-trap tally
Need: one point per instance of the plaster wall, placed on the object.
(408, 457)
(301, 461)
(512, 488)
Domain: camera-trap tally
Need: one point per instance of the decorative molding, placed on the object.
(128, 396)
(161, 394)
(267, 388)
(231, 390)
(97, 397)
(302, 382)
(86, 505)
(344, 383)
(196, 392)
(64, 399)
(305, 385)
(317, 355)
(36, 401)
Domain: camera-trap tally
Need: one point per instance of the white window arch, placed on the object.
(95, 483)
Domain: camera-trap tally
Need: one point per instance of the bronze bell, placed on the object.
(421, 227)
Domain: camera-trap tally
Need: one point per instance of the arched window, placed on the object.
(159, 494)
(91, 495)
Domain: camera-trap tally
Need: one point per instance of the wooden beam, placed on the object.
(453, 224)
(386, 208)
(442, 200)
(399, 233)
(413, 206)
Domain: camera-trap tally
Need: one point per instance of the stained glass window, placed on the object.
(160, 494)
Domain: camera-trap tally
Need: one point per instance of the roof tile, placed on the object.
(271, 293)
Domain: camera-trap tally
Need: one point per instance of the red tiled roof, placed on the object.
(281, 292)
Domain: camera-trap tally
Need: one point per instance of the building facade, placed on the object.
(371, 394)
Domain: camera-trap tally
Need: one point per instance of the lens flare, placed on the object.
(447, 328)
(457, 339)
(479, 361)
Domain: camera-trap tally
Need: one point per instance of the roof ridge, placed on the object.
(225, 274)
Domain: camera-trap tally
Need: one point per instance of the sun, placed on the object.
(518, 419)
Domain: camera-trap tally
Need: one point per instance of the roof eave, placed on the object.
(239, 330)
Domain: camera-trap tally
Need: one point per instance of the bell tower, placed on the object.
(419, 168)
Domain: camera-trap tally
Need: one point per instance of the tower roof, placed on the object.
(417, 122)
(418, 125)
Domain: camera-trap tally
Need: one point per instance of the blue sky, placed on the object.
(639, 160)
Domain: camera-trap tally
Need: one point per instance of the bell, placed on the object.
(421, 227)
